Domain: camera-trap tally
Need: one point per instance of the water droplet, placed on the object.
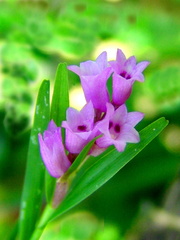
(37, 109)
(45, 101)
(33, 139)
(23, 204)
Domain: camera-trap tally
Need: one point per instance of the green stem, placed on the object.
(46, 216)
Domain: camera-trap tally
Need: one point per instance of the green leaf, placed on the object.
(34, 178)
(60, 103)
(60, 99)
(98, 170)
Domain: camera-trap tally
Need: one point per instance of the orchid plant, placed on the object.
(74, 152)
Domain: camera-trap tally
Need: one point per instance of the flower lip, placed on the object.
(114, 130)
(126, 75)
(117, 128)
(82, 128)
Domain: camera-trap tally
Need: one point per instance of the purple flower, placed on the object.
(118, 127)
(93, 76)
(126, 71)
(52, 151)
(79, 128)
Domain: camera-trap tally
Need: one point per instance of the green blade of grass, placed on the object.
(98, 170)
(34, 177)
(60, 99)
(60, 103)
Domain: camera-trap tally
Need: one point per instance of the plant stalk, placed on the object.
(46, 216)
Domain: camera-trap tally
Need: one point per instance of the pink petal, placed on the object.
(87, 113)
(120, 115)
(74, 143)
(89, 68)
(95, 89)
(102, 61)
(72, 116)
(104, 142)
(121, 89)
(63, 164)
(129, 134)
(141, 66)
(75, 69)
(115, 66)
(133, 118)
(130, 64)
(52, 126)
(120, 146)
(138, 77)
(120, 57)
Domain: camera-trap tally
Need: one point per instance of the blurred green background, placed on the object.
(143, 200)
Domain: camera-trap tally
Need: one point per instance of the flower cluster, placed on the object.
(103, 115)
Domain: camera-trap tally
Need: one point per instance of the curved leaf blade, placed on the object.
(34, 178)
(98, 170)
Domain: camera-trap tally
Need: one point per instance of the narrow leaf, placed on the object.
(34, 177)
(60, 99)
(98, 170)
(59, 105)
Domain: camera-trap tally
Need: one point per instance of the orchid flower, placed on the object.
(79, 128)
(118, 127)
(126, 71)
(52, 151)
(101, 116)
(94, 76)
